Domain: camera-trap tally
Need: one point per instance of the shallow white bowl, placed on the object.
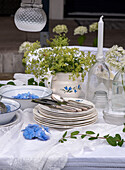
(7, 117)
(10, 91)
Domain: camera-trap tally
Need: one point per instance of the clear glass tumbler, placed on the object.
(118, 92)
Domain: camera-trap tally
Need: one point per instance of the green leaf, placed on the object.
(11, 83)
(82, 136)
(74, 137)
(2, 85)
(106, 136)
(90, 132)
(74, 133)
(41, 83)
(120, 143)
(64, 139)
(61, 140)
(31, 81)
(117, 137)
(92, 138)
(123, 129)
(111, 141)
(97, 135)
(64, 135)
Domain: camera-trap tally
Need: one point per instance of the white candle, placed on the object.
(100, 38)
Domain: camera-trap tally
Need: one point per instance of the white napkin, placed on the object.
(23, 77)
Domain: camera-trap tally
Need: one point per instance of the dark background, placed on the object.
(95, 6)
(9, 7)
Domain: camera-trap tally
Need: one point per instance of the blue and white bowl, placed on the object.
(9, 91)
(13, 108)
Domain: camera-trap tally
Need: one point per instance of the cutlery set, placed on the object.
(64, 113)
(69, 105)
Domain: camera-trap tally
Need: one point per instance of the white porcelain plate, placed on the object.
(56, 118)
(42, 115)
(65, 126)
(64, 123)
(61, 113)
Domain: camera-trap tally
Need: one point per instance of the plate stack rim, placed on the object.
(56, 118)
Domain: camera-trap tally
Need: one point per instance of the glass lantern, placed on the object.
(30, 16)
(118, 92)
(98, 84)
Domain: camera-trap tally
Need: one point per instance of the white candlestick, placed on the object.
(100, 38)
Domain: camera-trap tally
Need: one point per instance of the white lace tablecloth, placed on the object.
(17, 153)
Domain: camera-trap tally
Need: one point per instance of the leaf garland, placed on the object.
(113, 141)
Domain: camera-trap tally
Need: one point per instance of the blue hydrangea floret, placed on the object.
(27, 95)
(33, 131)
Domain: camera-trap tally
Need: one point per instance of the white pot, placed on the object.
(64, 87)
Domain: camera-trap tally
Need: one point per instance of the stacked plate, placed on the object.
(57, 118)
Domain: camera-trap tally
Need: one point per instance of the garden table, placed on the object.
(17, 153)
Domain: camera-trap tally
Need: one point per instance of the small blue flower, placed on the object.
(75, 90)
(40, 134)
(35, 131)
(35, 127)
(28, 133)
(27, 95)
(79, 87)
(46, 128)
(66, 88)
(70, 88)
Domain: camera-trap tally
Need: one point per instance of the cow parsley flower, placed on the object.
(81, 30)
(115, 56)
(24, 47)
(93, 27)
(60, 29)
(60, 39)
